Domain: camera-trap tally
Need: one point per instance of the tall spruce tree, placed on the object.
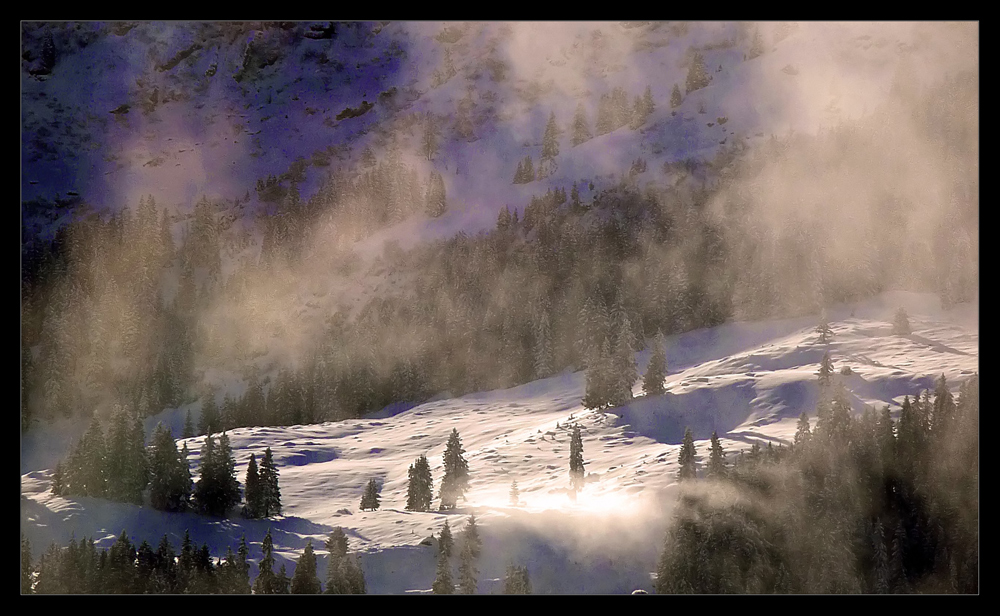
(802, 433)
(550, 140)
(581, 131)
(656, 370)
(576, 471)
(686, 457)
(420, 489)
(210, 421)
(456, 472)
(270, 499)
(717, 458)
(265, 582)
(26, 571)
(370, 499)
(252, 491)
(901, 323)
(446, 542)
(170, 477)
(697, 77)
(516, 581)
(675, 97)
(188, 426)
(304, 580)
(825, 333)
(443, 584)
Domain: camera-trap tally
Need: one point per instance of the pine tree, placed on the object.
(281, 582)
(304, 580)
(717, 458)
(576, 470)
(420, 489)
(675, 97)
(825, 372)
(456, 472)
(430, 145)
(802, 433)
(697, 77)
(436, 199)
(170, 478)
(901, 324)
(656, 370)
(471, 538)
(686, 457)
(344, 575)
(270, 494)
(370, 499)
(26, 571)
(252, 491)
(265, 582)
(210, 422)
(515, 495)
(550, 140)
(188, 426)
(581, 132)
(443, 584)
(516, 581)
(825, 333)
(467, 573)
(648, 106)
(543, 347)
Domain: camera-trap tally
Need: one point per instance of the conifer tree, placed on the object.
(825, 333)
(543, 347)
(344, 575)
(170, 478)
(26, 578)
(188, 426)
(252, 491)
(802, 433)
(717, 458)
(516, 581)
(471, 538)
(281, 583)
(656, 370)
(265, 582)
(515, 495)
(697, 77)
(581, 131)
(456, 472)
(467, 573)
(648, 106)
(210, 421)
(430, 145)
(550, 140)
(304, 580)
(901, 324)
(270, 497)
(675, 97)
(443, 584)
(576, 463)
(420, 489)
(686, 457)
(825, 372)
(370, 499)
(436, 199)
(446, 542)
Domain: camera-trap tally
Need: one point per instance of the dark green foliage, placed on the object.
(252, 492)
(304, 580)
(656, 370)
(210, 421)
(825, 374)
(467, 572)
(697, 77)
(802, 432)
(550, 140)
(581, 131)
(420, 489)
(266, 582)
(576, 470)
(456, 472)
(217, 490)
(525, 171)
(446, 542)
(170, 485)
(188, 426)
(443, 584)
(370, 499)
(26, 571)
(516, 581)
(901, 324)
(686, 458)
(717, 458)
(675, 97)
(343, 574)
(858, 509)
(270, 499)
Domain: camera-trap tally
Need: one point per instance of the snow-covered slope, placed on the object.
(749, 381)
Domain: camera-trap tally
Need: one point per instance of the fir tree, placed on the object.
(825, 333)
(802, 433)
(370, 499)
(26, 579)
(581, 132)
(443, 584)
(467, 573)
(675, 97)
(697, 77)
(456, 472)
(656, 370)
(516, 581)
(281, 582)
(576, 463)
(210, 421)
(252, 491)
(901, 324)
(717, 458)
(420, 489)
(470, 537)
(304, 580)
(543, 347)
(550, 140)
(430, 145)
(170, 478)
(436, 199)
(344, 575)
(686, 457)
(446, 542)
(515, 496)
(265, 582)
(188, 426)
(270, 497)
(825, 372)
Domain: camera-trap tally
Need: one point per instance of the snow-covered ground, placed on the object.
(749, 381)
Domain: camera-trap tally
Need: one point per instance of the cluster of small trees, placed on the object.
(862, 504)
(122, 469)
(125, 568)
(454, 484)
(611, 369)
(468, 574)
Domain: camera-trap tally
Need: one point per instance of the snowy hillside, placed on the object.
(748, 381)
